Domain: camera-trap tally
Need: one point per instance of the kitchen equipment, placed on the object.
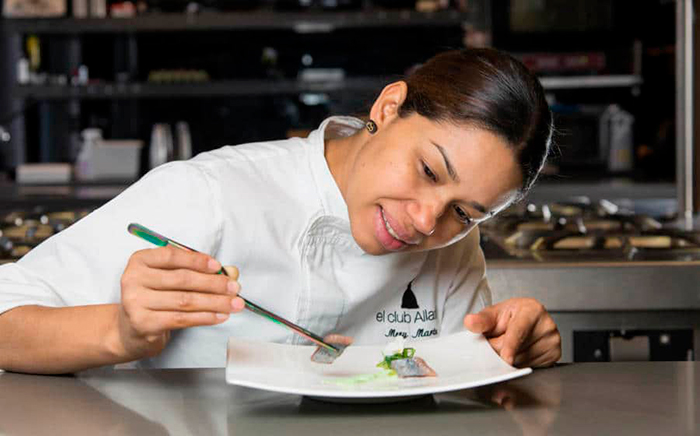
(580, 230)
(44, 172)
(117, 159)
(616, 139)
(594, 136)
(34, 8)
(184, 141)
(162, 241)
(107, 159)
(633, 345)
(84, 161)
(22, 230)
(161, 147)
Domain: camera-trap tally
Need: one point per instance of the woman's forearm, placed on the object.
(45, 340)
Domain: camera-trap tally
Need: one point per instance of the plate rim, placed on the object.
(358, 394)
(409, 391)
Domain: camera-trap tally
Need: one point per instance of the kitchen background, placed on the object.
(93, 93)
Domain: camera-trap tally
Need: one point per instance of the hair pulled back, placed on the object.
(488, 89)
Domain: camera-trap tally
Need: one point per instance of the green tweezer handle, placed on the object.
(162, 241)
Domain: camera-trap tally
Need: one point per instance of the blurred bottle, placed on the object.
(84, 169)
(161, 146)
(184, 141)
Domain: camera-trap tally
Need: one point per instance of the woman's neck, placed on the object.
(340, 154)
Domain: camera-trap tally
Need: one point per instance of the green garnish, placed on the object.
(362, 378)
(407, 353)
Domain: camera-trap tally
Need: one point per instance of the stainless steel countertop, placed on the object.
(599, 286)
(645, 398)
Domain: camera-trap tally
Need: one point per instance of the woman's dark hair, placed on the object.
(488, 89)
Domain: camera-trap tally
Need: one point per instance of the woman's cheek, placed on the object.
(454, 233)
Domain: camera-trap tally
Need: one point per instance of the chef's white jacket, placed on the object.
(273, 210)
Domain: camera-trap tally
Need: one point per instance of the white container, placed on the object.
(116, 159)
(80, 8)
(84, 161)
(48, 173)
(617, 142)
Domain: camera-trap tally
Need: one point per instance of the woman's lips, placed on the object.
(387, 241)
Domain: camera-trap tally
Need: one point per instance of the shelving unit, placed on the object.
(136, 93)
(128, 97)
(243, 87)
(269, 87)
(602, 81)
(265, 19)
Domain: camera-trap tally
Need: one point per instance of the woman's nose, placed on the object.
(425, 216)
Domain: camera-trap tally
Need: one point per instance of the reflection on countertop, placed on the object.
(649, 398)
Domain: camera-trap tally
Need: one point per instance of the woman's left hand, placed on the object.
(520, 330)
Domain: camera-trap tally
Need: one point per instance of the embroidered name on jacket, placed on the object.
(409, 320)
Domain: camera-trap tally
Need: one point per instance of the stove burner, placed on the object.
(22, 230)
(581, 230)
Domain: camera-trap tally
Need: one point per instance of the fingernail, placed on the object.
(507, 358)
(214, 265)
(232, 287)
(237, 304)
(222, 316)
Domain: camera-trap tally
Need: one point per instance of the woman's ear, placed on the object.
(386, 106)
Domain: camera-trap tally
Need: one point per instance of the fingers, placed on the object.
(171, 280)
(515, 325)
(174, 258)
(482, 322)
(192, 302)
(544, 327)
(518, 331)
(188, 280)
(544, 352)
(159, 321)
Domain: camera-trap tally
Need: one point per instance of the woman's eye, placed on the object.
(428, 172)
(462, 215)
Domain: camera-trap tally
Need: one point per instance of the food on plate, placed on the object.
(324, 355)
(402, 361)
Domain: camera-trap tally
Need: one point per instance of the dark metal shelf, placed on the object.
(67, 195)
(602, 81)
(249, 87)
(301, 22)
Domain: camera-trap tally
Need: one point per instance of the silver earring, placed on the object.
(371, 127)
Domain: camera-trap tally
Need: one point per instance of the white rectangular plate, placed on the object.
(462, 360)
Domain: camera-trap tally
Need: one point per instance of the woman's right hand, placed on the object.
(164, 289)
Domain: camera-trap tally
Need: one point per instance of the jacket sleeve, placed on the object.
(83, 264)
(469, 291)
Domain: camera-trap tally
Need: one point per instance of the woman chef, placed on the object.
(369, 230)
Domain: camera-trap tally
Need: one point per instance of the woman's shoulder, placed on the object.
(260, 152)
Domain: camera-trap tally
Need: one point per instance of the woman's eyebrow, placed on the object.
(450, 169)
(453, 174)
